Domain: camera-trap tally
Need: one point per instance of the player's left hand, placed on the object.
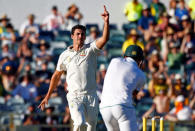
(105, 15)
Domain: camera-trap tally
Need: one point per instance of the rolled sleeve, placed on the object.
(141, 82)
(61, 65)
(94, 47)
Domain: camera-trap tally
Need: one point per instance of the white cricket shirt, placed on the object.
(81, 68)
(184, 114)
(122, 77)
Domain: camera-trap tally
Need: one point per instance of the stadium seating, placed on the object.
(46, 35)
(63, 36)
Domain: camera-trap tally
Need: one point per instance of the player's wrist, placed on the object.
(47, 96)
(106, 22)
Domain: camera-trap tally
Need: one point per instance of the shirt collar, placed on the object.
(70, 48)
(129, 59)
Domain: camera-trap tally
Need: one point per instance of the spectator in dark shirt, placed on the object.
(181, 10)
(145, 20)
(26, 89)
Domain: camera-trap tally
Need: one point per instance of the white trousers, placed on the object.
(84, 111)
(119, 118)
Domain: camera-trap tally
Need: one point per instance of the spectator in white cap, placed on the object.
(176, 85)
(187, 43)
(172, 7)
(180, 86)
(6, 52)
(158, 82)
(180, 112)
(185, 26)
(155, 63)
(9, 35)
(92, 36)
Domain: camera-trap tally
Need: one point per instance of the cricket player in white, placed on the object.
(123, 80)
(79, 63)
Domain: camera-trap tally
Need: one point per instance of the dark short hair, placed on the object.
(9, 26)
(54, 7)
(78, 27)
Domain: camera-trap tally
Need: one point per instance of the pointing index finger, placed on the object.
(105, 8)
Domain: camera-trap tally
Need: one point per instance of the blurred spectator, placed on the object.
(30, 29)
(42, 80)
(66, 119)
(62, 94)
(155, 63)
(180, 87)
(9, 36)
(191, 5)
(54, 21)
(168, 35)
(92, 36)
(149, 33)
(180, 112)
(24, 51)
(42, 88)
(157, 8)
(171, 11)
(25, 68)
(102, 73)
(3, 60)
(72, 17)
(6, 51)
(185, 27)
(172, 8)
(151, 45)
(174, 57)
(188, 47)
(181, 10)
(30, 118)
(132, 39)
(163, 21)
(160, 105)
(145, 20)
(9, 76)
(100, 79)
(192, 83)
(4, 21)
(192, 105)
(158, 83)
(3, 92)
(43, 54)
(49, 119)
(26, 89)
(133, 10)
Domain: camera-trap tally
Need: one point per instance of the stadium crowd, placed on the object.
(167, 35)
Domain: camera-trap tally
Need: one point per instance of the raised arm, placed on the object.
(53, 84)
(105, 36)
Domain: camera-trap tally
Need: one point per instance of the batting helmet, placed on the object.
(134, 52)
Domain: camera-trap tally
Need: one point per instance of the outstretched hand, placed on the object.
(105, 15)
(42, 105)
